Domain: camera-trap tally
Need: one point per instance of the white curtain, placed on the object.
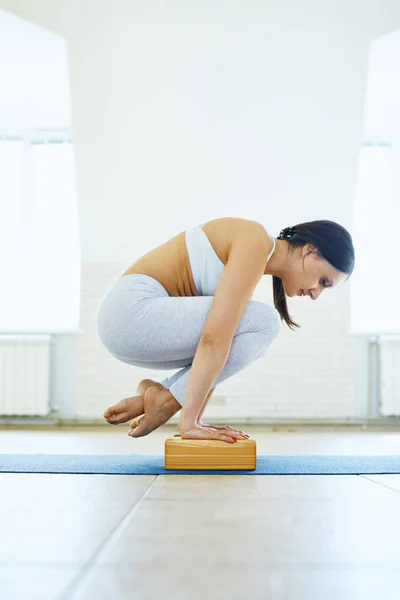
(39, 237)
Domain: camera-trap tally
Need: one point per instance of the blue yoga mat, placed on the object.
(150, 464)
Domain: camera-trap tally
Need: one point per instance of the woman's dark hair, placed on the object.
(334, 244)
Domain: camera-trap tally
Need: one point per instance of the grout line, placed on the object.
(79, 580)
(366, 476)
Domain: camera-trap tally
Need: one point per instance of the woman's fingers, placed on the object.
(226, 438)
(201, 431)
(205, 433)
(227, 428)
(225, 435)
(234, 432)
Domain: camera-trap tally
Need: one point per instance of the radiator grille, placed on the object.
(390, 377)
(24, 375)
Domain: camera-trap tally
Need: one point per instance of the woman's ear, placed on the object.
(309, 248)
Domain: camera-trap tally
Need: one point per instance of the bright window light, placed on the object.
(39, 237)
(375, 283)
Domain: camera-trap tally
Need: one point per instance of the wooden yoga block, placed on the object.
(209, 455)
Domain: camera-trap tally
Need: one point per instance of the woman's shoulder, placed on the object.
(235, 226)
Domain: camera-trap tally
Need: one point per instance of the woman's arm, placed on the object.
(243, 270)
(210, 393)
(208, 362)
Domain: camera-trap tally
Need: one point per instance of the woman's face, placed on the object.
(309, 274)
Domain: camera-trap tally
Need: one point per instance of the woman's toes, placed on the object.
(133, 424)
(159, 407)
(137, 427)
(114, 414)
(125, 410)
(110, 412)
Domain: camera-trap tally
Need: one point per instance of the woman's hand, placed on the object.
(223, 427)
(199, 432)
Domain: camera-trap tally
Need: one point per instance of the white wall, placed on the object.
(34, 77)
(184, 112)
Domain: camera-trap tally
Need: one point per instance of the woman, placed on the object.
(186, 305)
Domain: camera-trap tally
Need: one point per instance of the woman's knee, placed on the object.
(260, 325)
(266, 319)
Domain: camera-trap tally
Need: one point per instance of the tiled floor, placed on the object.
(180, 537)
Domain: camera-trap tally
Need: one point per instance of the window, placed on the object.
(375, 283)
(39, 235)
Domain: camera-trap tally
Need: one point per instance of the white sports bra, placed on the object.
(205, 263)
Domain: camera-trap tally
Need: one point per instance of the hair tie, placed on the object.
(286, 233)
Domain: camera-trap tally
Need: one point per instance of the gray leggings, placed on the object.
(141, 325)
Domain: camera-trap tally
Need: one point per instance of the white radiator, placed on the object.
(24, 374)
(390, 376)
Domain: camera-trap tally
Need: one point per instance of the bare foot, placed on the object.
(130, 407)
(159, 406)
